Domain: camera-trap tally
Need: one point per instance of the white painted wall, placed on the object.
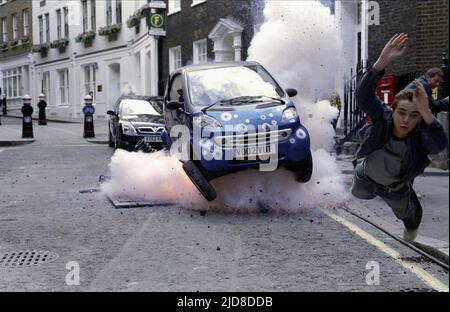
(107, 55)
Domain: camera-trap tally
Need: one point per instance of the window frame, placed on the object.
(175, 58)
(171, 8)
(196, 51)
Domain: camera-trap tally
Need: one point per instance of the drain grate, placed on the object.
(418, 290)
(26, 258)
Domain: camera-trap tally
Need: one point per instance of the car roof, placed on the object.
(140, 97)
(195, 67)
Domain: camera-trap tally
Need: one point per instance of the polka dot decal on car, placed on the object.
(226, 116)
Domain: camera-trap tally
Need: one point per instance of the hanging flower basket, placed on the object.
(86, 38)
(13, 44)
(42, 49)
(24, 40)
(111, 31)
(135, 19)
(4, 46)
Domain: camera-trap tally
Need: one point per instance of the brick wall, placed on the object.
(195, 23)
(425, 21)
(6, 11)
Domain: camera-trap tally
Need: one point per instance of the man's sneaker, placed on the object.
(410, 235)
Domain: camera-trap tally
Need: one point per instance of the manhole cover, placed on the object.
(26, 258)
(418, 290)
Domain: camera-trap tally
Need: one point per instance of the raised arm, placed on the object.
(365, 91)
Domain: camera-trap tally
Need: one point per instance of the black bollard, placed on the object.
(88, 111)
(4, 106)
(42, 105)
(27, 121)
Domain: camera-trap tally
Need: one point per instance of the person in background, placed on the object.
(397, 143)
(432, 79)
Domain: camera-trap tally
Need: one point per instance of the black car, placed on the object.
(136, 121)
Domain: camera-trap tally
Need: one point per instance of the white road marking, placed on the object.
(1, 150)
(413, 267)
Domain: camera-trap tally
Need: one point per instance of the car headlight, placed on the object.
(204, 121)
(289, 114)
(127, 128)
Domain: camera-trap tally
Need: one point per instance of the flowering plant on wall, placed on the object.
(109, 30)
(60, 43)
(135, 19)
(40, 48)
(85, 36)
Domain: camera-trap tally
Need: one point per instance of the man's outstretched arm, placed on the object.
(365, 92)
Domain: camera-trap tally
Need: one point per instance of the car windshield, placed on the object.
(132, 107)
(213, 85)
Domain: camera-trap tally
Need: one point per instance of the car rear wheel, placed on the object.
(199, 180)
(305, 170)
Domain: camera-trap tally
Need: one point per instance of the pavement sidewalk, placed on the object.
(432, 188)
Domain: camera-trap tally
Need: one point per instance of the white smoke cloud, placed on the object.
(297, 44)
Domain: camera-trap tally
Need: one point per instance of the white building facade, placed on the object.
(106, 66)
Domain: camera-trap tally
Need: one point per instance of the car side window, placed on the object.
(174, 89)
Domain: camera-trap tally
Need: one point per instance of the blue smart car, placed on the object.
(225, 117)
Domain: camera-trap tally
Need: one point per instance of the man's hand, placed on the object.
(394, 49)
(420, 98)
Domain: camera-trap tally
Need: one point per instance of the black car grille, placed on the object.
(150, 130)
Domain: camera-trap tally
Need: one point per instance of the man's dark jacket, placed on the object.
(422, 141)
(436, 106)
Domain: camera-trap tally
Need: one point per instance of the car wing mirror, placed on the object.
(112, 113)
(173, 105)
(291, 92)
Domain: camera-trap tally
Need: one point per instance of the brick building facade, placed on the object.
(15, 46)
(427, 24)
(195, 20)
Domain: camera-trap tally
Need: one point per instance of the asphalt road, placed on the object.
(175, 249)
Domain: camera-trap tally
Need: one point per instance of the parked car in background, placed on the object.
(243, 97)
(135, 121)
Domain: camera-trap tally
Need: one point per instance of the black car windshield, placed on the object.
(134, 107)
(213, 85)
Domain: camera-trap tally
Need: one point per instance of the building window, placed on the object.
(66, 22)
(85, 15)
(89, 80)
(109, 12)
(174, 6)
(41, 29)
(200, 52)
(26, 23)
(64, 86)
(45, 84)
(15, 27)
(58, 24)
(195, 2)
(47, 27)
(12, 82)
(118, 11)
(4, 31)
(174, 58)
(42, 3)
(93, 21)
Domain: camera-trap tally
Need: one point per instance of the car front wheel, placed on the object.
(304, 172)
(199, 180)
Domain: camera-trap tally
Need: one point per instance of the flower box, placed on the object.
(60, 44)
(135, 19)
(86, 38)
(42, 49)
(111, 31)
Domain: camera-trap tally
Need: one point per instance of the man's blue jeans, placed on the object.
(402, 199)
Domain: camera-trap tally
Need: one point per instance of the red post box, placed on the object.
(386, 89)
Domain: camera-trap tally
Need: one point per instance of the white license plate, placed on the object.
(252, 151)
(152, 139)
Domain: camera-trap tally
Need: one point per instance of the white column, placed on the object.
(364, 32)
(237, 44)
